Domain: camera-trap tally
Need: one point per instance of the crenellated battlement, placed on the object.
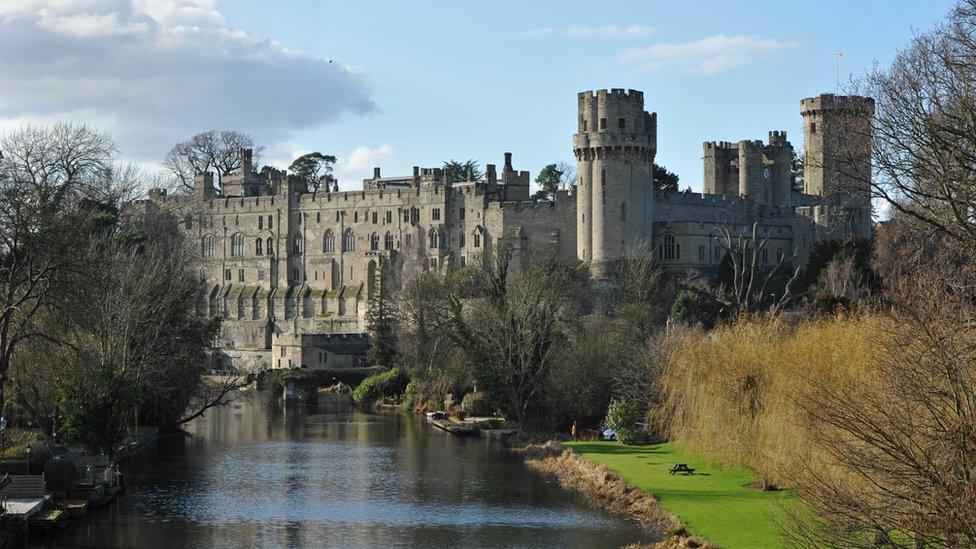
(830, 102)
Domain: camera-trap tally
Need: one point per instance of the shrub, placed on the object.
(831, 304)
(278, 378)
(623, 419)
(475, 404)
(374, 387)
(693, 308)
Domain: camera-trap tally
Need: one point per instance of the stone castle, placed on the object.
(291, 270)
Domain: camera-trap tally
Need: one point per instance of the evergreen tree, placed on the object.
(550, 180)
(664, 180)
(457, 171)
(380, 325)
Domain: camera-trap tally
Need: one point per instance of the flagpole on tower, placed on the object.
(837, 70)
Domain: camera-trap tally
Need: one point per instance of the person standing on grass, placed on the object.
(572, 430)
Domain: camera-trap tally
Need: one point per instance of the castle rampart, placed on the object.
(286, 266)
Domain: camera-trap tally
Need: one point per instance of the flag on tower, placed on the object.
(840, 54)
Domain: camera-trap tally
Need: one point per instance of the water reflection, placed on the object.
(266, 476)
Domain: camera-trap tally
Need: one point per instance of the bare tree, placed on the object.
(42, 175)
(900, 437)
(568, 177)
(753, 272)
(217, 151)
(924, 128)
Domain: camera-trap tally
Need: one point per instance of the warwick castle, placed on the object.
(291, 271)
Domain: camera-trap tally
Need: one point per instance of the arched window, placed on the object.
(669, 250)
(259, 247)
(328, 241)
(433, 239)
(297, 244)
(388, 241)
(348, 241)
(237, 244)
(208, 245)
(477, 238)
(374, 242)
(270, 246)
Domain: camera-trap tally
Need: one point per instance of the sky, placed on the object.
(399, 84)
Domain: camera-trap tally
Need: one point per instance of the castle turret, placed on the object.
(837, 157)
(203, 186)
(779, 153)
(751, 172)
(750, 169)
(721, 168)
(614, 147)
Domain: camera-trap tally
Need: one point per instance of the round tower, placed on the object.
(614, 146)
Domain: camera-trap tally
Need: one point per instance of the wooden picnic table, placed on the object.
(681, 468)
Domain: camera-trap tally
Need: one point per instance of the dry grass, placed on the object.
(606, 490)
(733, 394)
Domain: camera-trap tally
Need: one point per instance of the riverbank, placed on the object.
(718, 504)
(607, 490)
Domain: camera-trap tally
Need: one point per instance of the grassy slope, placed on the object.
(714, 503)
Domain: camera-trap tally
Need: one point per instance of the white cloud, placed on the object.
(576, 31)
(708, 55)
(359, 164)
(154, 72)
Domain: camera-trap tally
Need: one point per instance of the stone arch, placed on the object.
(433, 238)
(480, 235)
(207, 245)
(237, 244)
(669, 250)
(329, 241)
(349, 241)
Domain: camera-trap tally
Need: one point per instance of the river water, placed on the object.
(264, 475)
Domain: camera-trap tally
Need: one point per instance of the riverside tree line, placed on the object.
(96, 297)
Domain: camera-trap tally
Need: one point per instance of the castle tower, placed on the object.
(720, 168)
(752, 183)
(614, 147)
(837, 157)
(780, 154)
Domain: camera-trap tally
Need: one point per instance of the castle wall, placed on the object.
(545, 227)
(283, 266)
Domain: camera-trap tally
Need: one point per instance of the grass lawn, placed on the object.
(714, 503)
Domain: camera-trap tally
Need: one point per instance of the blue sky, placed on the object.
(415, 83)
(472, 79)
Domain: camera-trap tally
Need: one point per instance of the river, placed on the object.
(264, 475)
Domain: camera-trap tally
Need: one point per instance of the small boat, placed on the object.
(76, 507)
(436, 415)
(456, 429)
